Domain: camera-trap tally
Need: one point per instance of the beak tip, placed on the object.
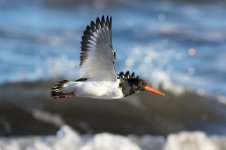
(147, 88)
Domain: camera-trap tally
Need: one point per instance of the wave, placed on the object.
(67, 68)
(67, 138)
(140, 114)
(156, 63)
(170, 69)
(49, 68)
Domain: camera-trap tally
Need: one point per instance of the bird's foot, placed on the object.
(64, 95)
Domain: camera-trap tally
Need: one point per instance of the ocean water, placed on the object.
(170, 43)
(178, 46)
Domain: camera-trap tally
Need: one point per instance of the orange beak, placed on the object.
(147, 88)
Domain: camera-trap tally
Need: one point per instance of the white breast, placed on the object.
(95, 89)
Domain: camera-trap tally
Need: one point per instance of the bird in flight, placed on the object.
(98, 78)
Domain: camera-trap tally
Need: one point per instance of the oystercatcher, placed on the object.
(98, 78)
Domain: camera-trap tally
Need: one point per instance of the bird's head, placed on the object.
(131, 84)
(141, 85)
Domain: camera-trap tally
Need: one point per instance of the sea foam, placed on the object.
(68, 139)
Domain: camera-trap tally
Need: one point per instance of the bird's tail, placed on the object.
(58, 90)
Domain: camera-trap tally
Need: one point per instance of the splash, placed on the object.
(153, 66)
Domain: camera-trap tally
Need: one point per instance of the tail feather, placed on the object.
(57, 90)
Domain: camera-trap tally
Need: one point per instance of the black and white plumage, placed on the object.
(98, 78)
(97, 56)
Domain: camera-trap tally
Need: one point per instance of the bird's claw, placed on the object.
(65, 95)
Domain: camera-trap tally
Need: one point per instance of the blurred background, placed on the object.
(178, 46)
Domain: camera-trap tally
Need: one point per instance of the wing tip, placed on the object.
(103, 21)
(91, 32)
(128, 75)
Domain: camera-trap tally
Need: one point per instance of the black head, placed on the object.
(137, 84)
(131, 84)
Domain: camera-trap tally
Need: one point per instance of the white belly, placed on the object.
(100, 90)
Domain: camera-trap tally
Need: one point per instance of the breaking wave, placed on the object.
(67, 138)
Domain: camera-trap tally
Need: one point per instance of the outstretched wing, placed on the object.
(97, 56)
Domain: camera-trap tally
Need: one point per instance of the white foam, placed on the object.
(107, 141)
(153, 63)
(45, 116)
(163, 78)
(221, 99)
(194, 141)
(57, 67)
(68, 139)
(61, 67)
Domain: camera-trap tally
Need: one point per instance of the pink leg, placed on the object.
(65, 95)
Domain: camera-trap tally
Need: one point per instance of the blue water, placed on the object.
(169, 43)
